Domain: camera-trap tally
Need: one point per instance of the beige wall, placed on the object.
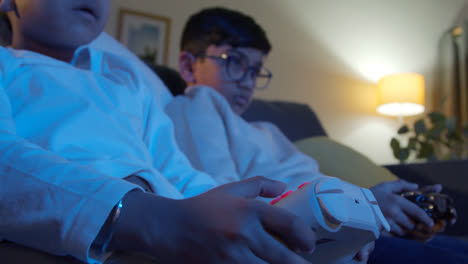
(330, 53)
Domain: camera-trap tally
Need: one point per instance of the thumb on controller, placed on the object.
(400, 186)
(436, 188)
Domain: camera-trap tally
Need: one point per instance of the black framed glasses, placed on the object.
(237, 69)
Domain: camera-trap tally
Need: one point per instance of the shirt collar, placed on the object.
(83, 58)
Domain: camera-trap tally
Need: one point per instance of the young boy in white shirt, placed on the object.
(221, 60)
(88, 163)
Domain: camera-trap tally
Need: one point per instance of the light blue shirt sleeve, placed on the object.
(167, 156)
(158, 128)
(47, 202)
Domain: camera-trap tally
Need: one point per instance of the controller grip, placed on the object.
(345, 217)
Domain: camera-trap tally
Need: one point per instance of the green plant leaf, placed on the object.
(403, 154)
(420, 126)
(436, 117)
(426, 151)
(395, 144)
(413, 144)
(402, 130)
(436, 132)
(454, 136)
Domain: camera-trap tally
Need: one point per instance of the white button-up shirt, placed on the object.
(69, 134)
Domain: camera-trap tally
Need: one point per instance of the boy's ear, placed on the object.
(186, 66)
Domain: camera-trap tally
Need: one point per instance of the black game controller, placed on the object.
(438, 206)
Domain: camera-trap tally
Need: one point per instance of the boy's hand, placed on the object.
(436, 188)
(400, 213)
(224, 225)
(421, 231)
(363, 255)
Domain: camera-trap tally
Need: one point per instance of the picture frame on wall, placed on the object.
(146, 35)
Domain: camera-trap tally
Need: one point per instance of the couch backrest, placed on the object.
(297, 121)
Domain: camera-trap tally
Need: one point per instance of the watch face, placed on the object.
(104, 236)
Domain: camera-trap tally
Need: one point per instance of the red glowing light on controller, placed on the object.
(277, 199)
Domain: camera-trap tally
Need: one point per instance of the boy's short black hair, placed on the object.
(5, 30)
(220, 26)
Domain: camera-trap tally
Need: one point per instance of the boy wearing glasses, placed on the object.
(222, 63)
(221, 60)
(88, 164)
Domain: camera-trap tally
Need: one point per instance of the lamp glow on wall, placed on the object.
(401, 94)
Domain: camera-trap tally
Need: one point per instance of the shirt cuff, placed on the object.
(93, 216)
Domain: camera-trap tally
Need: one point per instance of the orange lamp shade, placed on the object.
(401, 94)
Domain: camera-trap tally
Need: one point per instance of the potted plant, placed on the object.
(433, 137)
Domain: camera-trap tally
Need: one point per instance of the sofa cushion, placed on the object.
(338, 160)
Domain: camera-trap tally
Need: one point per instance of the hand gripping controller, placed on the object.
(440, 207)
(344, 216)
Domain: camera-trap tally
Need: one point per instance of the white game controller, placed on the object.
(344, 216)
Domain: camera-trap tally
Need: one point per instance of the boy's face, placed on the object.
(213, 73)
(58, 23)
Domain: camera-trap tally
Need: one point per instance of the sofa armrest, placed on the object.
(453, 175)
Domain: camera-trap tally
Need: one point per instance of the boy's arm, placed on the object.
(222, 144)
(288, 164)
(47, 202)
(201, 134)
(223, 225)
(55, 206)
(168, 158)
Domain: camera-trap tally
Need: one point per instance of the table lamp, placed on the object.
(401, 94)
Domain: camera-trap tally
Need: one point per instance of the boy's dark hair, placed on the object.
(5, 30)
(220, 26)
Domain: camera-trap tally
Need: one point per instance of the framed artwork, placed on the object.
(146, 35)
